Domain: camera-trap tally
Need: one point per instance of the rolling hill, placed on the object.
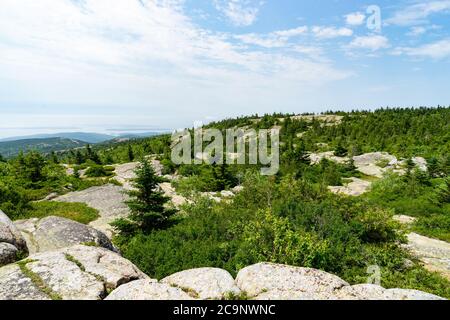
(12, 148)
(90, 137)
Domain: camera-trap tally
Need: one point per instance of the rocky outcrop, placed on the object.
(263, 281)
(169, 191)
(52, 233)
(11, 241)
(435, 254)
(148, 290)
(107, 199)
(405, 220)
(83, 272)
(269, 280)
(355, 187)
(8, 253)
(420, 163)
(375, 292)
(124, 173)
(266, 281)
(204, 283)
(370, 163)
(315, 158)
(76, 273)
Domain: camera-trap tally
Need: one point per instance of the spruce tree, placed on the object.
(340, 150)
(147, 204)
(130, 153)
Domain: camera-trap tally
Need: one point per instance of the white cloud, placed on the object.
(276, 39)
(239, 12)
(309, 50)
(417, 31)
(436, 50)
(355, 19)
(291, 32)
(331, 32)
(123, 57)
(261, 40)
(418, 13)
(371, 42)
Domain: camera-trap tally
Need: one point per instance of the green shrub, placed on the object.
(273, 239)
(377, 225)
(99, 171)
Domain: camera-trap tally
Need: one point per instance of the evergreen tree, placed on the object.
(95, 157)
(54, 157)
(340, 150)
(76, 173)
(79, 158)
(147, 204)
(30, 166)
(444, 192)
(109, 159)
(130, 153)
(410, 165)
(301, 153)
(433, 167)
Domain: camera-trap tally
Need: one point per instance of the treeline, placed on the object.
(402, 132)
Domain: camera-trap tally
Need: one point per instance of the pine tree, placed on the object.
(146, 204)
(79, 158)
(54, 157)
(130, 153)
(109, 159)
(340, 151)
(301, 153)
(444, 192)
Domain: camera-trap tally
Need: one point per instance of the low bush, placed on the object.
(98, 171)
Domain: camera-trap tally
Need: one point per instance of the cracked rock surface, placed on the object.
(148, 290)
(204, 283)
(92, 273)
(11, 240)
(76, 273)
(52, 233)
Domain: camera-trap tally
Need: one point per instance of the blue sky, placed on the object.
(69, 65)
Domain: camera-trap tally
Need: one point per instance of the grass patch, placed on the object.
(435, 226)
(241, 296)
(74, 260)
(368, 178)
(36, 279)
(79, 212)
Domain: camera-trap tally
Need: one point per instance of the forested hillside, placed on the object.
(45, 145)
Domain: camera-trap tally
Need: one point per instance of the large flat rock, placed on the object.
(265, 277)
(435, 254)
(125, 173)
(267, 281)
(204, 283)
(108, 200)
(52, 233)
(76, 273)
(355, 187)
(148, 290)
